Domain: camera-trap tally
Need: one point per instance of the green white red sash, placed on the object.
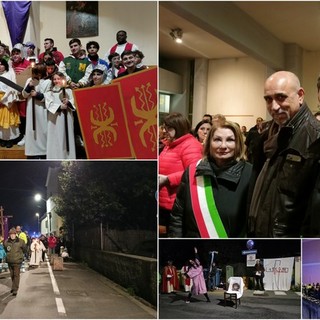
(204, 207)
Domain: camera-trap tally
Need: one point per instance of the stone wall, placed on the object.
(137, 274)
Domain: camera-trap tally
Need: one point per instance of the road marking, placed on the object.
(53, 280)
(60, 306)
(59, 302)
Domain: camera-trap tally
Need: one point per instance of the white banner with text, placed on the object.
(278, 273)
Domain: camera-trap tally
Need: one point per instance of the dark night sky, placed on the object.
(19, 182)
(230, 250)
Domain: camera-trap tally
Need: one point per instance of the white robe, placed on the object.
(36, 141)
(56, 139)
(36, 248)
(9, 97)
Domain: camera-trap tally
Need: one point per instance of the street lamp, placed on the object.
(38, 216)
(38, 197)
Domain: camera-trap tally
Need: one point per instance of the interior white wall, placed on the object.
(311, 72)
(235, 89)
(5, 37)
(138, 18)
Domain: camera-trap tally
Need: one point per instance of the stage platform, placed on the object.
(14, 153)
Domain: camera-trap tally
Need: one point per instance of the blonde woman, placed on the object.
(212, 199)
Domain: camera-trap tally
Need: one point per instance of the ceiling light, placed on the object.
(176, 35)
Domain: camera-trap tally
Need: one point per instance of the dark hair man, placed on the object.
(128, 60)
(49, 46)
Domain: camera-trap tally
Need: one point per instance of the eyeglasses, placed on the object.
(166, 128)
(92, 47)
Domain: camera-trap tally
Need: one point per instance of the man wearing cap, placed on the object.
(19, 64)
(30, 54)
(15, 249)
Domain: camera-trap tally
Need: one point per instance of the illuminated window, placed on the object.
(164, 105)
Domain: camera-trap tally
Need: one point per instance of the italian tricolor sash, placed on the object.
(204, 207)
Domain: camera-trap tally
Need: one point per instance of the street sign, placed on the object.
(251, 260)
(244, 252)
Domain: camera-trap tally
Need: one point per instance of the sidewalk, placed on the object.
(76, 292)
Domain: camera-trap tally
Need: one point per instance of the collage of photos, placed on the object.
(78, 159)
(239, 160)
(159, 160)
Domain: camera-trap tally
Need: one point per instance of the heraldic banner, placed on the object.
(119, 120)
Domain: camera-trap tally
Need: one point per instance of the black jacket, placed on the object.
(230, 189)
(285, 201)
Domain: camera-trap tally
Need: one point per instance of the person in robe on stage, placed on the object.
(36, 120)
(20, 64)
(170, 280)
(60, 104)
(9, 112)
(195, 272)
(121, 45)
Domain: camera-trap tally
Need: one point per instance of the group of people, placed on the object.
(196, 281)
(19, 248)
(42, 116)
(209, 189)
(311, 290)
(192, 275)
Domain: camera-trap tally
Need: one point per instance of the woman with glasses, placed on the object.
(180, 150)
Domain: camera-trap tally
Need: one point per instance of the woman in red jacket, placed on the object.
(181, 149)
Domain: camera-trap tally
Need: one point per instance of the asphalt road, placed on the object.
(267, 306)
(76, 292)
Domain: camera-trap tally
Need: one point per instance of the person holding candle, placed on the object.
(36, 119)
(60, 104)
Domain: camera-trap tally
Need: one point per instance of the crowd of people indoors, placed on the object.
(35, 117)
(220, 181)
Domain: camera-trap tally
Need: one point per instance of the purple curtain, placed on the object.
(17, 15)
